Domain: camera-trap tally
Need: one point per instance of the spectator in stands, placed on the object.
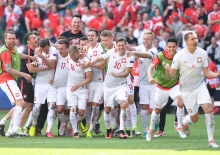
(176, 24)
(200, 43)
(50, 36)
(96, 21)
(133, 9)
(10, 17)
(68, 18)
(163, 40)
(61, 5)
(80, 8)
(214, 50)
(214, 18)
(156, 44)
(138, 33)
(84, 28)
(29, 16)
(132, 41)
(148, 24)
(53, 16)
(19, 46)
(212, 83)
(126, 20)
(191, 11)
(208, 5)
(95, 7)
(138, 19)
(201, 28)
(18, 28)
(38, 19)
(21, 3)
(16, 9)
(157, 21)
(87, 16)
(60, 28)
(182, 31)
(1, 43)
(43, 31)
(208, 37)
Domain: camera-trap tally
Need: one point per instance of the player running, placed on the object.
(190, 61)
(165, 87)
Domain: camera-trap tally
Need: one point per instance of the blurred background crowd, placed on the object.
(129, 18)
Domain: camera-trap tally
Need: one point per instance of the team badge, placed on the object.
(123, 60)
(199, 60)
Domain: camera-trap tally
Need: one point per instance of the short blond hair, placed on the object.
(73, 49)
(106, 33)
(186, 36)
(149, 32)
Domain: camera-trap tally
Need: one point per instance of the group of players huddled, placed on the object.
(80, 81)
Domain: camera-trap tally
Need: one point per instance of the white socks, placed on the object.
(73, 121)
(107, 120)
(50, 119)
(154, 119)
(29, 121)
(144, 120)
(179, 115)
(3, 121)
(35, 113)
(133, 112)
(17, 117)
(187, 120)
(128, 119)
(122, 119)
(88, 115)
(61, 118)
(210, 125)
(94, 117)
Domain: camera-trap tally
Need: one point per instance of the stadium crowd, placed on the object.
(58, 26)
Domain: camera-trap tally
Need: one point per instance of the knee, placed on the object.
(130, 100)
(81, 112)
(107, 110)
(123, 105)
(145, 106)
(194, 118)
(157, 111)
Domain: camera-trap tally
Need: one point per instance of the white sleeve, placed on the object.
(153, 52)
(88, 69)
(138, 48)
(130, 62)
(54, 54)
(175, 62)
(108, 54)
(205, 60)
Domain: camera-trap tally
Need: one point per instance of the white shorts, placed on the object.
(61, 96)
(147, 94)
(96, 92)
(162, 96)
(130, 86)
(43, 92)
(11, 89)
(78, 98)
(192, 99)
(115, 94)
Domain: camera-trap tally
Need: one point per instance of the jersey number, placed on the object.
(117, 65)
(63, 65)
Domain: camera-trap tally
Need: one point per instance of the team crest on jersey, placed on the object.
(199, 60)
(94, 53)
(123, 60)
(47, 55)
(17, 94)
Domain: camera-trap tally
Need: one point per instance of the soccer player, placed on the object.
(146, 53)
(165, 87)
(47, 57)
(96, 86)
(77, 92)
(190, 61)
(115, 88)
(9, 72)
(59, 82)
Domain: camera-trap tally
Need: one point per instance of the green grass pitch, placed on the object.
(170, 144)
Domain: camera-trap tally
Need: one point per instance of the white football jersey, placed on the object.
(77, 74)
(116, 64)
(44, 76)
(62, 70)
(190, 66)
(93, 53)
(144, 63)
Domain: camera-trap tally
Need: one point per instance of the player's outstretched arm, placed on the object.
(14, 72)
(123, 74)
(34, 69)
(100, 65)
(142, 54)
(24, 56)
(209, 74)
(149, 73)
(93, 62)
